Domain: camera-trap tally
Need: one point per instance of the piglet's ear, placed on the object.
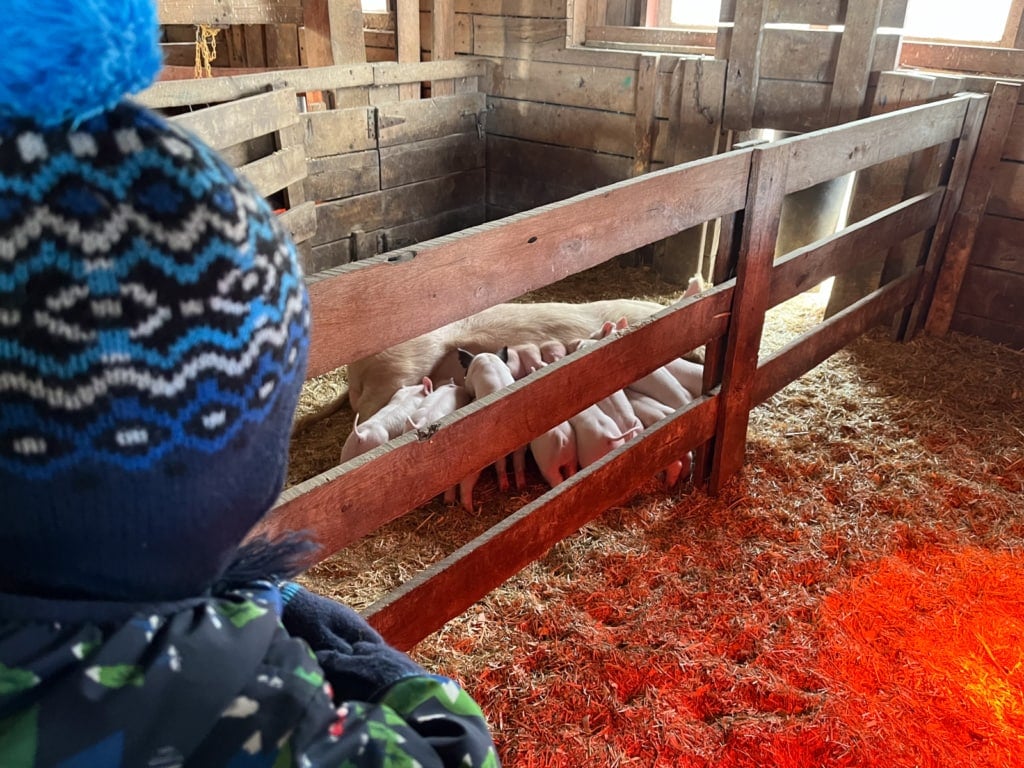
(607, 328)
(428, 385)
(465, 358)
(622, 324)
(503, 354)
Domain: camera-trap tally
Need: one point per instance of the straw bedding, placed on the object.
(854, 598)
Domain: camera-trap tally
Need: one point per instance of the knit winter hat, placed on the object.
(153, 322)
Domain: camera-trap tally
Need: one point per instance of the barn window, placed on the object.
(980, 21)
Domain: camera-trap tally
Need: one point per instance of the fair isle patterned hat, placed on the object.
(153, 322)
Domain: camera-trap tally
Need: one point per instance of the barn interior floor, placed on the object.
(854, 598)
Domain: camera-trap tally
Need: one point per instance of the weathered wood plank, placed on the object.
(465, 273)
(998, 244)
(854, 61)
(1008, 190)
(802, 269)
(444, 223)
(416, 161)
(568, 84)
(832, 152)
(408, 48)
(1007, 62)
(744, 65)
(828, 12)
(1013, 149)
(1009, 334)
(337, 176)
(340, 130)
(341, 511)
(591, 129)
(392, 207)
(404, 122)
(768, 175)
(276, 171)
(300, 221)
(515, 38)
(442, 44)
(227, 124)
(579, 169)
(213, 90)
(993, 294)
(909, 322)
(228, 12)
(974, 201)
(645, 127)
(808, 350)
(790, 105)
(812, 54)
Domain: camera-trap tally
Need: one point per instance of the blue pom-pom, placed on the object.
(69, 60)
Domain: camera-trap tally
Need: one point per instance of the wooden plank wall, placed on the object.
(459, 275)
(981, 289)
(383, 173)
(804, 79)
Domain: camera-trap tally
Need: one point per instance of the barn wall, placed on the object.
(378, 173)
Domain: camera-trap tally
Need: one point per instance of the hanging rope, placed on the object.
(206, 49)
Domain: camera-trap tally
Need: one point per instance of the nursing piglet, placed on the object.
(552, 351)
(596, 434)
(389, 421)
(617, 405)
(555, 453)
(524, 359)
(444, 400)
(649, 411)
(487, 373)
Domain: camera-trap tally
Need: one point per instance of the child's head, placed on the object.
(153, 323)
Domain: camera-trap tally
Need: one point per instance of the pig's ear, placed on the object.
(428, 385)
(465, 358)
(606, 329)
(503, 354)
(622, 324)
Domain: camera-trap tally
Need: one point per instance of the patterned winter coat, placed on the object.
(219, 681)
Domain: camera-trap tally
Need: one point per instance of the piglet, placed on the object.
(596, 434)
(617, 405)
(555, 453)
(444, 400)
(391, 420)
(524, 359)
(552, 351)
(486, 373)
(649, 411)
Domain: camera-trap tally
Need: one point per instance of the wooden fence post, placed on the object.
(765, 193)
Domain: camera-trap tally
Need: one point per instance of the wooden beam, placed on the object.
(646, 127)
(854, 62)
(408, 47)
(442, 45)
(744, 64)
(766, 191)
(980, 59)
(228, 124)
(229, 12)
(977, 190)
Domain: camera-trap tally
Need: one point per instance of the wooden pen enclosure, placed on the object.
(422, 192)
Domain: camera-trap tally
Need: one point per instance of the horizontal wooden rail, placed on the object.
(808, 350)
(443, 591)
(455, 276)
(804, 268)
(228, 124)
(345, 503)
(181, 93)
(832, 152)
